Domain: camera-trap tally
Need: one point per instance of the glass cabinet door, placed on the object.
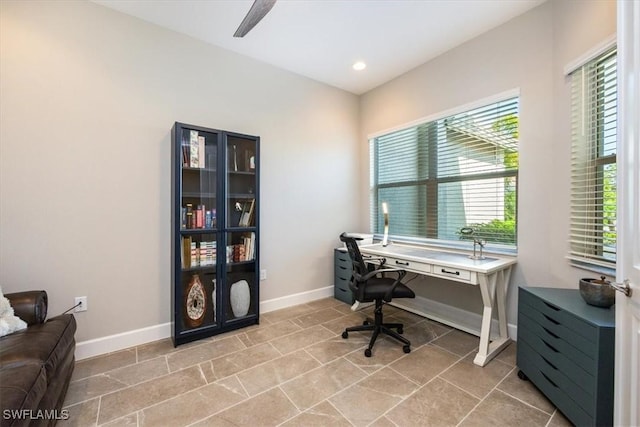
(240, 236)
(198, 226)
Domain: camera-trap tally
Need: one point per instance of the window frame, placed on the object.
(432, 181)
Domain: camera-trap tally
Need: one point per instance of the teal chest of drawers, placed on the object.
(342, 276)
(566, 348)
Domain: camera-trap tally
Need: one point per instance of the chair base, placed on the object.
(378, 326)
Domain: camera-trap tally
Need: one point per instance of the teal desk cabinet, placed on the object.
(566, 348)
(342, 275)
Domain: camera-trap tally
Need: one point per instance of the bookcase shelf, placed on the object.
(215, 232)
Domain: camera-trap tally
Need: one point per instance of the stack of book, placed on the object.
(244, 251)
(197, 254)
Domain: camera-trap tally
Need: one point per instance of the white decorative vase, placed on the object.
(240, 298)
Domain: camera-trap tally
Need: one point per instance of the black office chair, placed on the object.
(369, 284)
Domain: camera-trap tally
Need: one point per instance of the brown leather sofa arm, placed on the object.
(30, 306)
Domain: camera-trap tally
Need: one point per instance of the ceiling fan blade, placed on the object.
(258, 10)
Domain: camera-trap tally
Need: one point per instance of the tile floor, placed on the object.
(294, 369)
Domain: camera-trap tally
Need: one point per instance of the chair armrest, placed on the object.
(369, 275)
(30, 306)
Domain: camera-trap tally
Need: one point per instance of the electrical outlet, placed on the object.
(81, 303)
(263, 274)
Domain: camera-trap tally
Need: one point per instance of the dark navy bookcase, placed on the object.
(215, 231)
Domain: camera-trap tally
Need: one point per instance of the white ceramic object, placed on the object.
(240, 297)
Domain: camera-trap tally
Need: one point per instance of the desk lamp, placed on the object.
(385, 214)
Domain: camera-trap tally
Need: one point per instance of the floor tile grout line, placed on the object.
(518, 399)
(495, 388)
(420, 387)
(164, 400)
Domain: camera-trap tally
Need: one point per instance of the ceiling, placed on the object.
(322, 39)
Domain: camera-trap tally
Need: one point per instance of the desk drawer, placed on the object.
(417, 267)
(451, 273)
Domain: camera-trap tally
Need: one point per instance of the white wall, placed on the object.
(528, 53)
(88, 98)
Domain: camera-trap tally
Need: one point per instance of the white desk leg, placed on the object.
(492, 286)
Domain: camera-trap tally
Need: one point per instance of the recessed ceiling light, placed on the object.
(359, 66)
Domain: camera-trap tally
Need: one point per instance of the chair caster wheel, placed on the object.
(345, 335)
(400, 331)
(406, 349)
(367, 353)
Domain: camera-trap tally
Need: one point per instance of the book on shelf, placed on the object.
(186, 155)
(194, 146)
(199, 217)
(185, 247)
(201, 153)
(246, 216)
(248, 244)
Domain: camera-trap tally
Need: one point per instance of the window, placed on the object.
(592, 234)
(442, 175)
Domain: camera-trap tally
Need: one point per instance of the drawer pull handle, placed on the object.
(457, 273)
(549, 363)
(402, 263)
(552, 307)
(550, 346)
(550, 333)
(555, 322)
(344, 268)
(548, 379)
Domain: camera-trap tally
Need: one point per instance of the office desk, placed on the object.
(491, 275)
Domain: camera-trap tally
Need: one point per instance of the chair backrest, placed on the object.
(359, 266)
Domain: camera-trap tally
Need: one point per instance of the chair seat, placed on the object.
(377, 287)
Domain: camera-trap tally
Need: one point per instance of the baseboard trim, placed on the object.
(111, 343)
(295, 299)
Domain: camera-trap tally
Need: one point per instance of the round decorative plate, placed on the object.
(195, 302)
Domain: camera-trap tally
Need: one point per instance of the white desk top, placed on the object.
(441, 257)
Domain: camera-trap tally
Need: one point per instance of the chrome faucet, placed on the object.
(468, 231)
(481, 243)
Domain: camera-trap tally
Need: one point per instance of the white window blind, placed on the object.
(592, 234)
(442, 175)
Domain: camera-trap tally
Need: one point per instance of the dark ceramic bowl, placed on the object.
(597, 292)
